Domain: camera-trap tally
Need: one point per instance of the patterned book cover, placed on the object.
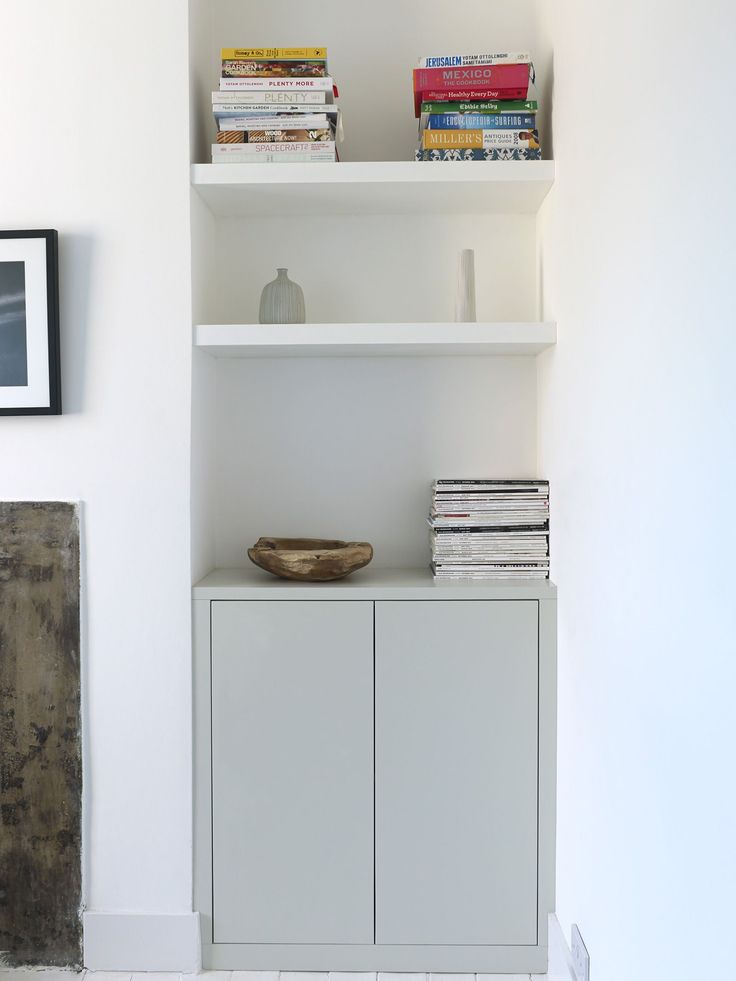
(273, 69)
(275, 136)
(497, 153)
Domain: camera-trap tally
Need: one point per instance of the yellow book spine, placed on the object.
(461, 139)
(274, 54)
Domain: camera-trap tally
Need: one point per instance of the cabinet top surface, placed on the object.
(369, 584)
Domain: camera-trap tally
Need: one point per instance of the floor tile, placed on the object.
(352, 976)
(156, 976)
(213, 976)
(451, 977)
(39, 974)
(402, 977)
(106, 976)
(503, 977)
(302, 976)
(254, 976)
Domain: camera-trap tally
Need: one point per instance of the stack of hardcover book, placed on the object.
(275, 104)
(476, 107)
(490, 529)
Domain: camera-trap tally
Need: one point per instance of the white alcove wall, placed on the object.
(347, 447)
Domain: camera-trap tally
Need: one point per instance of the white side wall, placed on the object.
(637, 434)
(82, 152)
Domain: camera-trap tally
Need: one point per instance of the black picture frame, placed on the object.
(52, 404)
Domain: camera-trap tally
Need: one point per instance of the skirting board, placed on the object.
(142, 942)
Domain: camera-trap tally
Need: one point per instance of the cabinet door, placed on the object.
(456, 772)
(292, 772)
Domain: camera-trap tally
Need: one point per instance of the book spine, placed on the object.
(480, 76)
(324, 84)
(517, 105)
(241, 136)
(458, 120)
(268, 112)
(325, 149)
(498, 153)
(276, 97)
(278, 54)
(461, 61)
(438, 95)
(470, 139)
(273, 69)
(304, 157)
(274, 122)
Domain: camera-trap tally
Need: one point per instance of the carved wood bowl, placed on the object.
(310, 559)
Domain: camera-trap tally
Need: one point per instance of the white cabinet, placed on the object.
(375, 773)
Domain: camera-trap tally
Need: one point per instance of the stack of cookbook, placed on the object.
(490, 529)
(275, 105)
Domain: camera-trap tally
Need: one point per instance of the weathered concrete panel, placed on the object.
(40, 745)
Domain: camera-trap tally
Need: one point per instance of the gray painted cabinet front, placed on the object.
(456, 773)
(292, 772)
(375, 779)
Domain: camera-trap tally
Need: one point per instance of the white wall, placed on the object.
(348, 447)
(82, 152)
(372, 48)
(637, 432)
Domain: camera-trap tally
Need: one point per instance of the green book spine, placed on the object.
(509, 105)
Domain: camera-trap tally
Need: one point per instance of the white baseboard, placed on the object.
(142, 942)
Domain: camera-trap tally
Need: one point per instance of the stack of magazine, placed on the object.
(490, 529)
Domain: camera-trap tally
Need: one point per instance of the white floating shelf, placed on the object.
(373, 340)
(399, 187)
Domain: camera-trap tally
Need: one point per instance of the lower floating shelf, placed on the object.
(373, 340)
(373, 583)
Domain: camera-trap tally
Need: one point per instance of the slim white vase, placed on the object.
(282, 301)
(465, 299)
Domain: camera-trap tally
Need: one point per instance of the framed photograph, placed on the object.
(30, 367)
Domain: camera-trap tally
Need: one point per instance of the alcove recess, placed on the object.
(335, 429)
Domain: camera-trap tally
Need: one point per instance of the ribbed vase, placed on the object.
(465, 299)
(282, 301)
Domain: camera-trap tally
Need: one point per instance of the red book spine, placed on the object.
(484, 81)
(466, 95)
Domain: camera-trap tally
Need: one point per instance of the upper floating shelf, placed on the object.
(399, 187)
(373, 340)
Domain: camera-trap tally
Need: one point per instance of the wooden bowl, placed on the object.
(310, 559)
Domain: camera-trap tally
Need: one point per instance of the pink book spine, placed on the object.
(484, 81)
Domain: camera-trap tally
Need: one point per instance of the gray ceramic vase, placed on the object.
(282, 301)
